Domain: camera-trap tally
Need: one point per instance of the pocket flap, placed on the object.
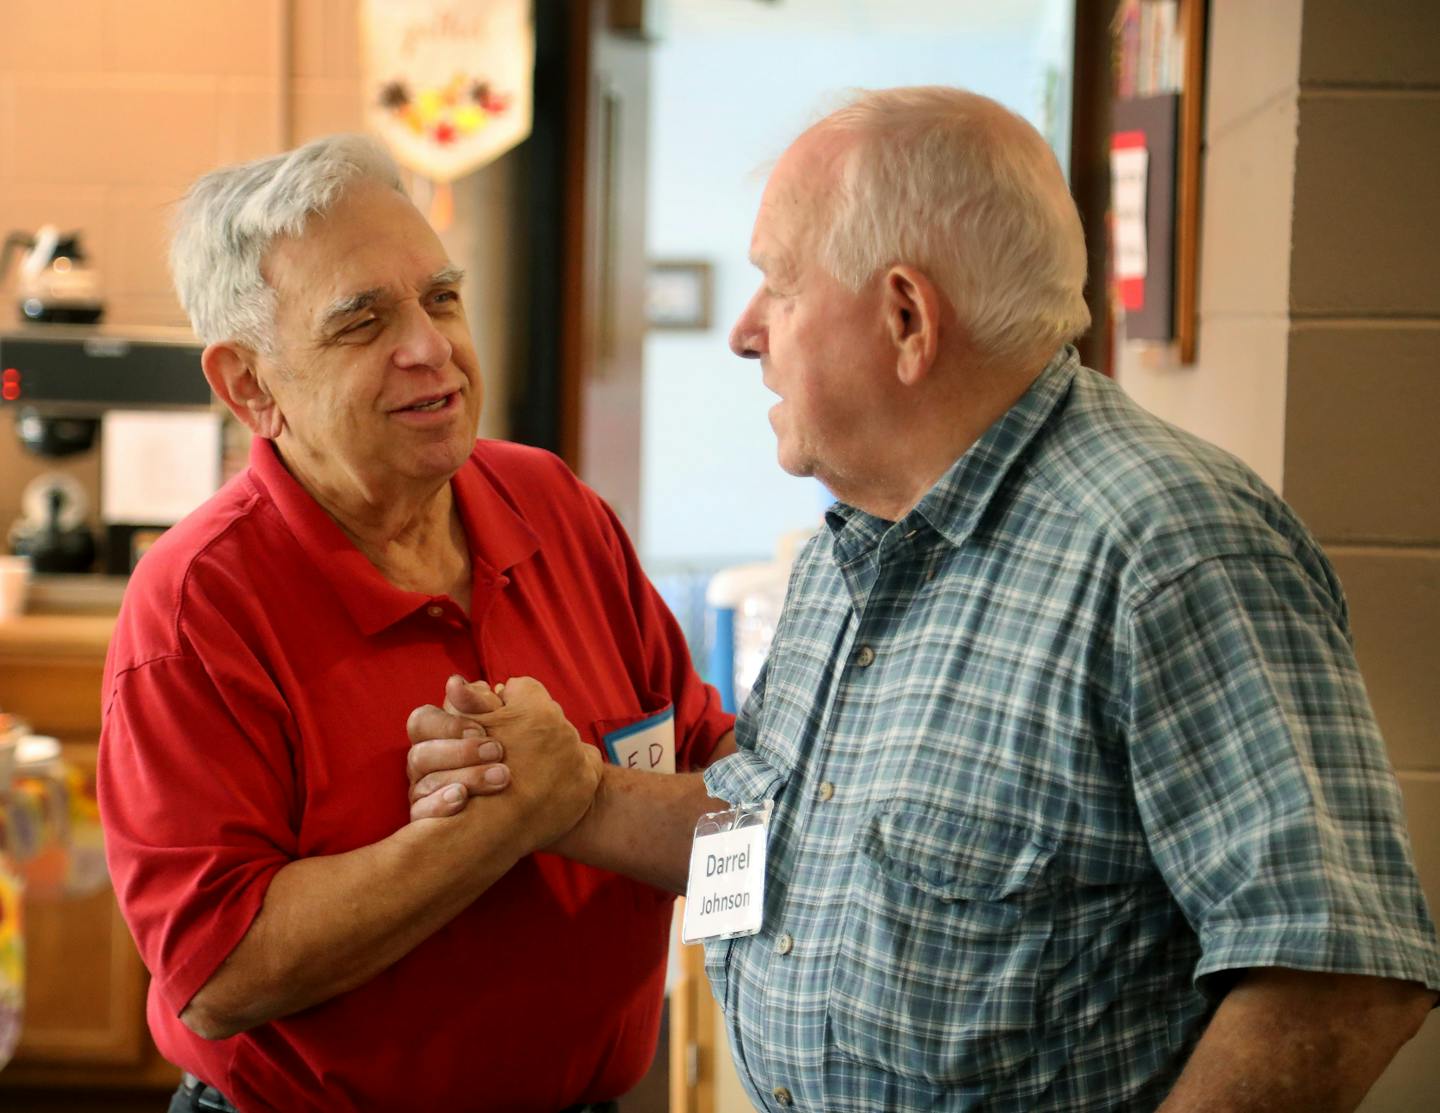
(954, 857)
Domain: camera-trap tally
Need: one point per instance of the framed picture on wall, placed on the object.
(678, 294)
(1158, 85)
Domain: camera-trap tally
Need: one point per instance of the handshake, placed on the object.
(512, 739)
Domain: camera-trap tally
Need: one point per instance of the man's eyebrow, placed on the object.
(341, 308)
(772, 266)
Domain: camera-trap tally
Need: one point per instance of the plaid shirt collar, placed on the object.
(955, 504)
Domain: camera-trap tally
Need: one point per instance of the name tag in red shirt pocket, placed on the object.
(646, 743)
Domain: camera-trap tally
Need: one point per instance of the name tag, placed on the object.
(648, 744)
(725, 895)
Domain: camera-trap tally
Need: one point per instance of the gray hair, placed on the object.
(966, 190)
(231, 216)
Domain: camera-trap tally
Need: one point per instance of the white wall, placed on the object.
(726, 98)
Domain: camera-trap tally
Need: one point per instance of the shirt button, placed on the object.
(785, 944)
(866, 657)
(434, 610)
(781, 1095)
(827, 790)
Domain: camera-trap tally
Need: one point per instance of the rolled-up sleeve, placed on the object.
(197, 794)
(1262, 781)
(745, 777)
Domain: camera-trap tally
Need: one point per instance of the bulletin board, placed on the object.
(1155, 141)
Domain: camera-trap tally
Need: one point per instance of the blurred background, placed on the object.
(1291, 314)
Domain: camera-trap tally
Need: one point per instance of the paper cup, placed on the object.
(14, 585)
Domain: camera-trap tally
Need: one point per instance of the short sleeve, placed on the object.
(745, 777)
(195, 788)
(1261, 778)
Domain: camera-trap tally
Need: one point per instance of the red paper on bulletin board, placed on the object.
(1129, 175)
(1143, 185)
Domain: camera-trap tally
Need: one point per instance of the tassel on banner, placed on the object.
(442, 206)
(435, 199)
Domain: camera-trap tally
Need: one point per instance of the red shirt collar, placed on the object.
(498, 536)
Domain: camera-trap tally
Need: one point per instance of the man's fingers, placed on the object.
(469, 699)
(433, 722)
(477, 780)
(521, 689)
(441, 754)
(448, 801)
(519, 695)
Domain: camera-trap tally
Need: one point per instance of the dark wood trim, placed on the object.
(1187, 211)
(545, 403)
(574, 318)
(1090, 98)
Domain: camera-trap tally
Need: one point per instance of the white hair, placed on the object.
(954, 183)
(231, 216)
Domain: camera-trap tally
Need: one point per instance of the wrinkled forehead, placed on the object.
(372, 238)
(800, 193)
(813, 165)
(369, 217)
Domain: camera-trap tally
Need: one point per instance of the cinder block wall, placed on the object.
(1319, 347)
(1362, 451)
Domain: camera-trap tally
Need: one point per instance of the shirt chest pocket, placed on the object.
(944, 938)
(644, 741)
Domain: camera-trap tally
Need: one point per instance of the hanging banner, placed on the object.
(448, 83)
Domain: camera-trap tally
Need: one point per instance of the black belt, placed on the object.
(204, 1097)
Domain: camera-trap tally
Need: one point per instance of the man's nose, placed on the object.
(421, 344)
(747, 337)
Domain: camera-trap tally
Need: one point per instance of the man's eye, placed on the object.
(446, 296)
(359, 326)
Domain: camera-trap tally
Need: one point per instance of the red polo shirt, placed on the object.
(255, 701)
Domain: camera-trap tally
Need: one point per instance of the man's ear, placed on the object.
(231, 372)
(912, 317)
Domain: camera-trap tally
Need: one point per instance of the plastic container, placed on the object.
(12, 891)
(743, 606)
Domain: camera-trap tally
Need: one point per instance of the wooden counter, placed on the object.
(50, 669)
(85, 985)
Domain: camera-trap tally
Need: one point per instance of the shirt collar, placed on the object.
(953, 506)
(498, 536)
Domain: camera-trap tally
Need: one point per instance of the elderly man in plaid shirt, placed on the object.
(1079, 803)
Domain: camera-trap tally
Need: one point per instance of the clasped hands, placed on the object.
(513, 739)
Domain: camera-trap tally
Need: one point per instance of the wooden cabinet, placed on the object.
(85, 985)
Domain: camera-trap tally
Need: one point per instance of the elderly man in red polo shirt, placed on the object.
(311, 947)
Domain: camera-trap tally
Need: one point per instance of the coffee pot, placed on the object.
(52, 531)
(57, 284)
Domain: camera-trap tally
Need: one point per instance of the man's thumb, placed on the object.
(469, 699)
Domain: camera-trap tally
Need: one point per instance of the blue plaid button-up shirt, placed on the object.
(1052, 757)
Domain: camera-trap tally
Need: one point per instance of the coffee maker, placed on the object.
(58, 284)
(141, 397)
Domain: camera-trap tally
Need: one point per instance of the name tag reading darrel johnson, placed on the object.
(725, 897)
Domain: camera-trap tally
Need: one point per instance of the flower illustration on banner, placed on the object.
(443, 114)
(448, 84)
